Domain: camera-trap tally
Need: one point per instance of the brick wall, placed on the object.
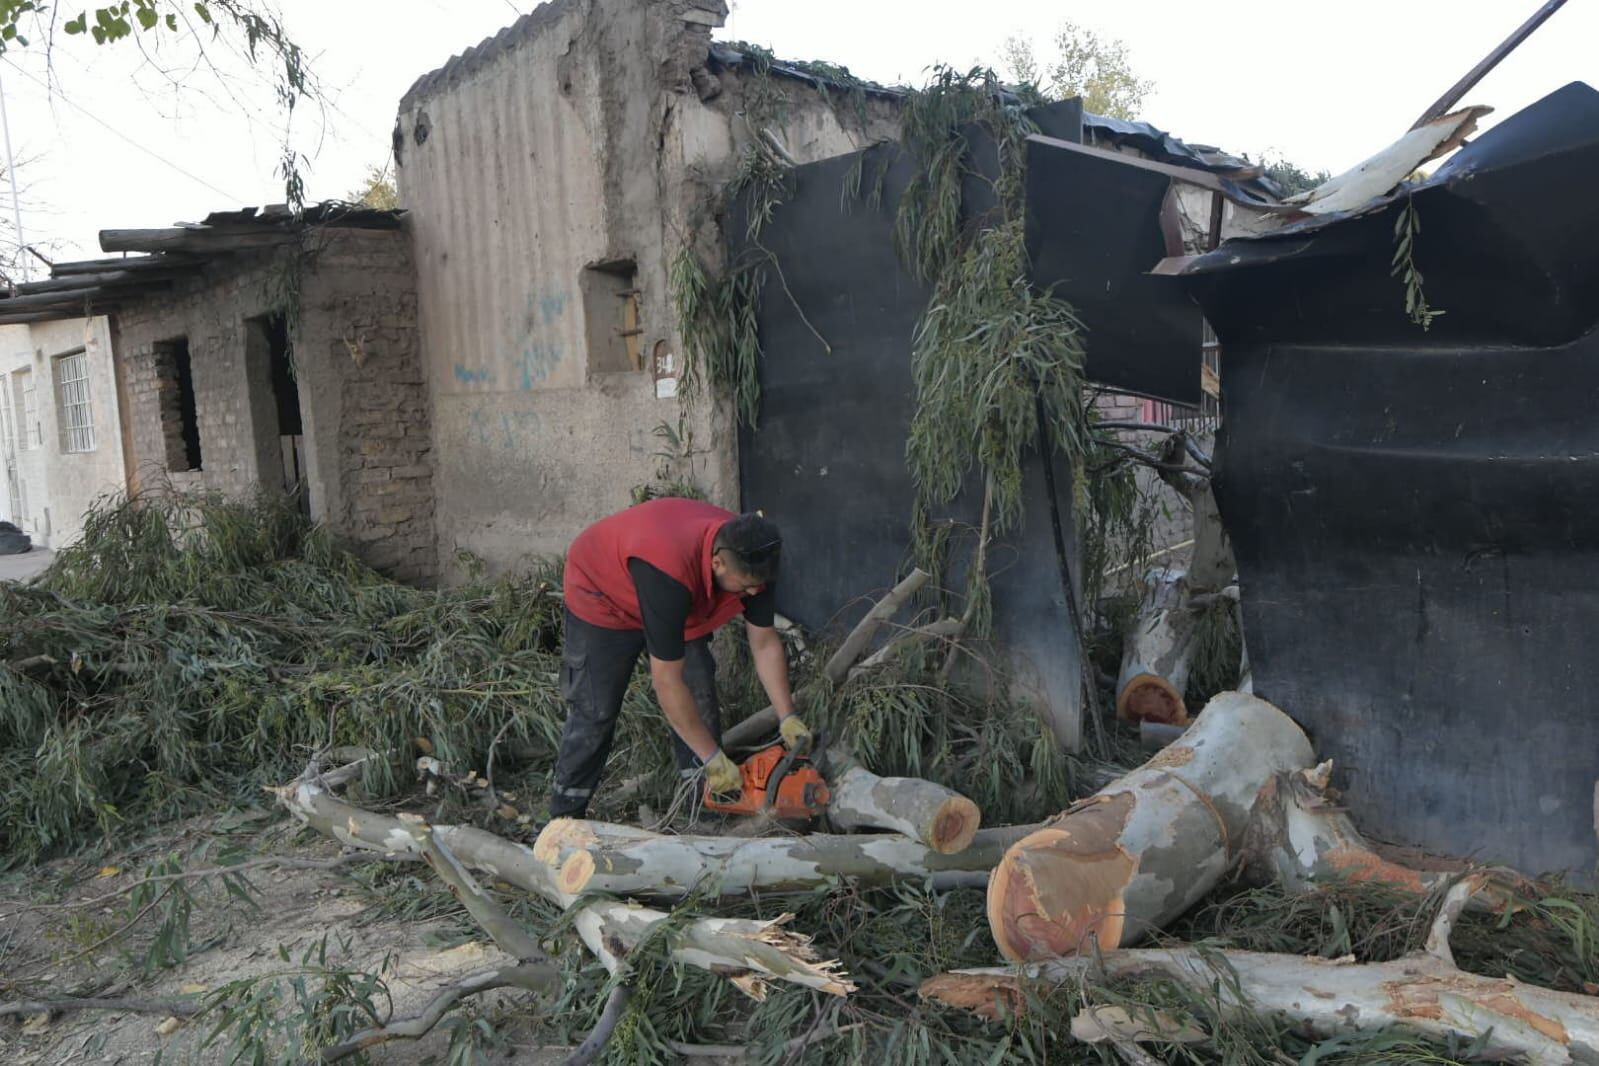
(357, 372)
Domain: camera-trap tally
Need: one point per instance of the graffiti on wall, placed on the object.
(540, 352)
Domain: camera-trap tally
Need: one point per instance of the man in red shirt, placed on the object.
(662, 577)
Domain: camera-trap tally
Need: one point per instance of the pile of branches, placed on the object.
(189, 651)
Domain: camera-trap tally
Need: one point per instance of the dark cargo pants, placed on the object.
(596, 666)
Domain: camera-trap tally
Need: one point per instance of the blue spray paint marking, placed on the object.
(539, 355)
(537, 362)
(509, 431)
(552, 305)
(468, 376)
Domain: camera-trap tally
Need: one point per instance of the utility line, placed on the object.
(91, 116)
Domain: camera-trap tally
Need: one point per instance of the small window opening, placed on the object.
(610, 316)
(180, 421)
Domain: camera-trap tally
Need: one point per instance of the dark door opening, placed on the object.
(272, 372)
(180, 419)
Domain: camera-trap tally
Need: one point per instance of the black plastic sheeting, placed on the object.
(1093, 231)
(1413, 511)
(827, 461)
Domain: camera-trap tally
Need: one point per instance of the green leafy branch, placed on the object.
(1406, 229)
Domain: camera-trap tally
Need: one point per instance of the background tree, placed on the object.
(248, 28)
(1083, 64)
(377, 190)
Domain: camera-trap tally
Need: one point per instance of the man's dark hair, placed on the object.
(754, 545)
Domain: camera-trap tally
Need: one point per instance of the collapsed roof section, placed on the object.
(1249, 180)
(1406, 469)
(90, 287)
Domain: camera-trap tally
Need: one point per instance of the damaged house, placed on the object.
(471, 381)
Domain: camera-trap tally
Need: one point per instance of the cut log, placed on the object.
(749, 953)
(622, 861)
(1157, 652)
(1422, 992)
(763, 723)
(1136, 854)
(930, 814)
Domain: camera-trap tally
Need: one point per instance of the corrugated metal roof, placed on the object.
(94, 286)
(489, 49)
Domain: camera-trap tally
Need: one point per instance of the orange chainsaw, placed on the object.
(776, 781)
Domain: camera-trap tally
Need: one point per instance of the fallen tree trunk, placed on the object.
(930, 814)
(749, 953)
(1158, 652)
(1139, 852)
(621, 861)
(1423, 992)
(1300, 837)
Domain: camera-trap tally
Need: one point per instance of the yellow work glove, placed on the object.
(721, 775)
(795, 733)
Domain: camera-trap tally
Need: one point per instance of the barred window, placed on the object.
(74, 414)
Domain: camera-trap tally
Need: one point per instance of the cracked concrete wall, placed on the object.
(588, 133)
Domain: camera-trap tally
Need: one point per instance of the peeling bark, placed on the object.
(935, 816)
(1300, 838)
(1422, 992)
(1158, 652)
(1118, 865)
(618, 860)
(749, 953)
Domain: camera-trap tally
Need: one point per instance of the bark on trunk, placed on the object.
(621, 861)
(1423, 992)
(1158, 652)
(749, 953)
(931, 814)
(1301, 838)
(1118, 865)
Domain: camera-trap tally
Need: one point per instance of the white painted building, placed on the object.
(60, 431)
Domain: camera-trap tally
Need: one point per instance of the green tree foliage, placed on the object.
(1083, 64)
(249, 27)
(376, 191)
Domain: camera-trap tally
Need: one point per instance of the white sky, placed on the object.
(1324, 85)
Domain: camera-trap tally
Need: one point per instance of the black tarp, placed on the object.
(828, 458)
(827, 461)
(1413, 511)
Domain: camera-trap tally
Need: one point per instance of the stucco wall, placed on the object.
(58, 484)
(575, 137)
(357, 376)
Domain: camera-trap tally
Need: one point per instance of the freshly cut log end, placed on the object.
(954, 826)
(576, 872)
(939, 818)
(1061, 889)
(1129, 859)
(1151, 698)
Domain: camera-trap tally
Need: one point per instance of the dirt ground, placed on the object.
(52, 953)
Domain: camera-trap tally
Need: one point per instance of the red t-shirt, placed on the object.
(674, 536)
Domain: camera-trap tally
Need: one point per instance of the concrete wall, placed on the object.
(357, 376)
(58, 485)
(575, 138)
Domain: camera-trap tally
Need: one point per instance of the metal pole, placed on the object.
(1476, 74)
(11, 172)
